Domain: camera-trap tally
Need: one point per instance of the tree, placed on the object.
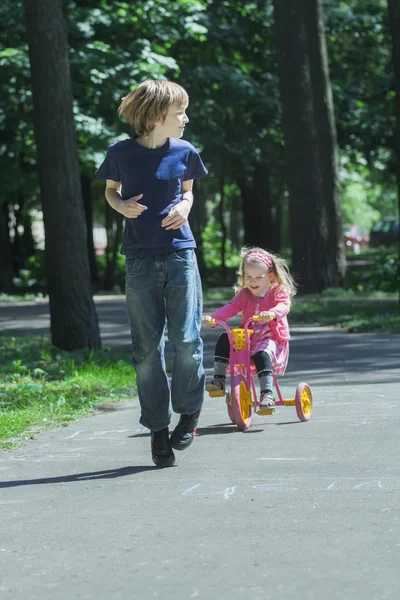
(358, 40)
(394, 23)
(73, 315)
(6, 279)
(224, 54)
(310, 145)
(232, 79)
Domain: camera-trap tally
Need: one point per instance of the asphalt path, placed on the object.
(287, 510)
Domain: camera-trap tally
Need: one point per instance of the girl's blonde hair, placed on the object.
(278, 267)
(149, 102)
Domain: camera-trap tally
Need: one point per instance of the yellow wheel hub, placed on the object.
(306, 401)
(245, 401)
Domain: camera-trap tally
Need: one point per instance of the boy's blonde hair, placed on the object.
(149, 102)
(279, 269)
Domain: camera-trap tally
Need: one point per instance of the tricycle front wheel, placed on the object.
(229, 405)
(239, 409)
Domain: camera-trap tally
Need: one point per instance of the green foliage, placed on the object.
(42, 386)
(224, 53)
(113, 46)
(17, 148)
(360, 62)
(32, 279)
(358, 199)
(21, 297)
(364, 198)
(120, 270)
(212, 246)
(218, 295)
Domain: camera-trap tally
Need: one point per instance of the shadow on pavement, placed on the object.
(215, 429)
(289, 423)
(109, 474)
(228, 428)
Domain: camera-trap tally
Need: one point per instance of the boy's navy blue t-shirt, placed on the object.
(158, 175)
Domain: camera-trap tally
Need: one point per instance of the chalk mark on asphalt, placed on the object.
(191, 488)
(377, 483)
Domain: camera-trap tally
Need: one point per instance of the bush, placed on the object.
(380, 273)
(120, 271)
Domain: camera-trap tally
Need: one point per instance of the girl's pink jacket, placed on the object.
(275, 299)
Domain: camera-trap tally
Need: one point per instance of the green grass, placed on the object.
(41, 386)
(223, 294)
(22, 297)
(354, 315)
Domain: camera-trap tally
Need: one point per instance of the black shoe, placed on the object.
(161, 451)
(184, 433)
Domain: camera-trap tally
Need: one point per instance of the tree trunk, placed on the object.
(28, 243)
(326, 137)
(23, 245)
(258, 221)
(318, 259)
(394, 25)
(113, 245)
(73, 315)
(262, 197)
(197, 220)
(235, 223)
(6, 272)
(87, 204)
(16, 247)
(277, 239)
(114, 228)
(221, 211)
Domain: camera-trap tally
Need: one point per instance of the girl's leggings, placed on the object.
(261, 359)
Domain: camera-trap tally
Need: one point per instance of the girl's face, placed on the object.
(257, 278)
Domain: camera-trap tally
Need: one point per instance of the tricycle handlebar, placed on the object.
(216, 322)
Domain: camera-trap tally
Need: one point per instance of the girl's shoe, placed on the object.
(267, 400)
(216, 385)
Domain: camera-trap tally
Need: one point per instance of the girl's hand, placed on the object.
(207, 321)
(267, 315)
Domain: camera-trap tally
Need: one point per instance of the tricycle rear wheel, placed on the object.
(304, 401)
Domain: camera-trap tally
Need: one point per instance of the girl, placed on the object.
(265, 288)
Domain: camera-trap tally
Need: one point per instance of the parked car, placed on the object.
(385, 232)
(356, 238)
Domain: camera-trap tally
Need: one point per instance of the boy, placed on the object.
(149, 180)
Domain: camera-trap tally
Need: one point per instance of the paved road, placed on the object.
(288, 510)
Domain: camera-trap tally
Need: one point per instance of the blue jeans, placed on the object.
(166, 288)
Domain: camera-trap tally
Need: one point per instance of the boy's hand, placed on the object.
(131, 209)
(177, 216)
(208, 321)
(266, 316)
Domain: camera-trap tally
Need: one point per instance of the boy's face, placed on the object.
(174, 122)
